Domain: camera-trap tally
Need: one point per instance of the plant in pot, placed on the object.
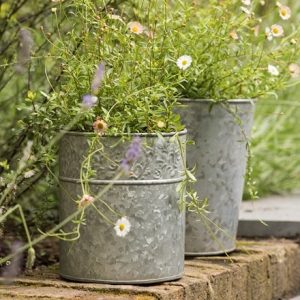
(122, 161)
(227, 57)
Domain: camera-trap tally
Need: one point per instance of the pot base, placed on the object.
(191, 254)
(115, 282)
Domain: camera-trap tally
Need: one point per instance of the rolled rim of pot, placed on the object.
(141, 134)
(230, 101)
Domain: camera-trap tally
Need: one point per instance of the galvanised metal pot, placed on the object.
(220, 157)
(153, 250)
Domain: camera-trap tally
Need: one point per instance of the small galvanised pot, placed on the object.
(220, 132)
(153, 250)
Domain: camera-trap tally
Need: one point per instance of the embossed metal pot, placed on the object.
(220, 157)
(153, 250)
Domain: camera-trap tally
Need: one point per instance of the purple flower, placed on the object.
(98, 77)
(133, 153)
(25, 47)
(89, 101)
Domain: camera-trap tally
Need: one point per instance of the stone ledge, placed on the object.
(258, 270)
(280, 213)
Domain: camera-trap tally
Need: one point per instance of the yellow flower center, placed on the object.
(100, 125)
(275, 30)
(122, 227)
(283, 12)
(135, 29)
(184, 62)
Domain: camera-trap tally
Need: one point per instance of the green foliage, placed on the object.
(276, 145)
(231, 53)
(138, 91)
(137, 94)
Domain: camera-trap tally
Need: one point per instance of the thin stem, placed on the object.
(60, 225)
(10, 211)
(102, 215)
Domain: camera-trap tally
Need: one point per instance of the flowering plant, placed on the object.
(119, 72)
(111, 78)
(233, 50)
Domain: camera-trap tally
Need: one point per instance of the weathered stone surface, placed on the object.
(258, 270)
(281, 213)
(31, 292)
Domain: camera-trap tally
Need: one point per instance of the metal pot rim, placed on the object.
(231, 101)
(142, 134)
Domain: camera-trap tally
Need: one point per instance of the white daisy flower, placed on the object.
(268, 34)
(29, 174)
(136, 27)
(277, 30)
(294, 70)
(161, 124)
(285, 12)
(122, 227)
(246, 2)
(184, 61)
(273, 70)
(85, 201)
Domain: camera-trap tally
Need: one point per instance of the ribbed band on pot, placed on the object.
(168, 165)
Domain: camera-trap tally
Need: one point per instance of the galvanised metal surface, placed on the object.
(153, 250)
(220, 157)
